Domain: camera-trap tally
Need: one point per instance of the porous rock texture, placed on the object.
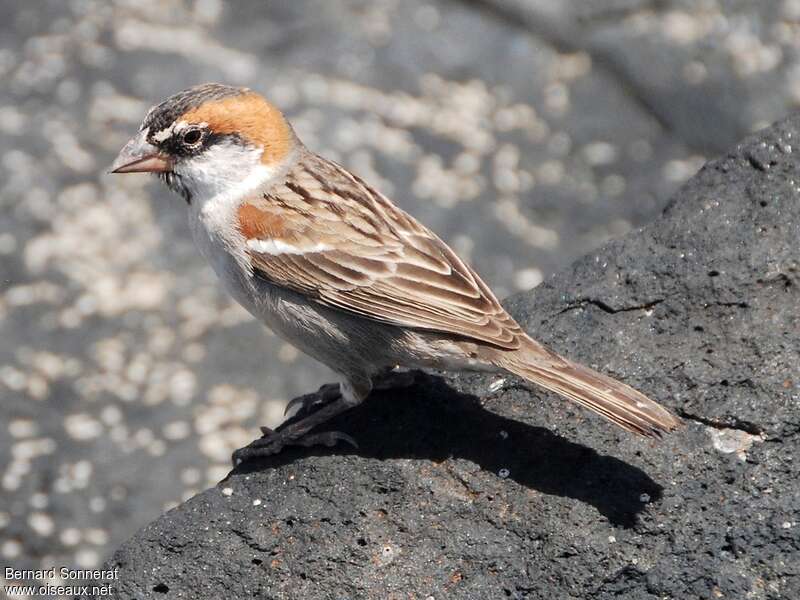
(464, 489)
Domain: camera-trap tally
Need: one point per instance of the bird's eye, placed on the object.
(191, 137)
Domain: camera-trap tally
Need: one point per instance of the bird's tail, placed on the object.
(617, 402)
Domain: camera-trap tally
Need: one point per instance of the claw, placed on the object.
(265, 446)
(237, 457)
(302, 402)
(326, 393)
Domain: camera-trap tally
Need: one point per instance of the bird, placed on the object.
(338, 270)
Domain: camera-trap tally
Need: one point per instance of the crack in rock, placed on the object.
(729, 439)
(738, 425)
(607, 308)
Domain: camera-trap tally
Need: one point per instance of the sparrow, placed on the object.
(334, 267)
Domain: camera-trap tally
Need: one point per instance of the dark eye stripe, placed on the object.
(190, 141)
(184, 142)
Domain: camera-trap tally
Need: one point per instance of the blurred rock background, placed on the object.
(524, 132)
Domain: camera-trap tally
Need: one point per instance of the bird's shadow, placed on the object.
(431, 420)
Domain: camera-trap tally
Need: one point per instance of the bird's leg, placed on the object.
(385, 380)
(335, 399)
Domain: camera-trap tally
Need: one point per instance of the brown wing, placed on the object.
(326, 234)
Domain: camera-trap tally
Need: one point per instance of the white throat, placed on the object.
(219, 180)
(224, 169)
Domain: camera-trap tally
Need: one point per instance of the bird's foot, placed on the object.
(312, 410)
(296, 433)
(274, 441)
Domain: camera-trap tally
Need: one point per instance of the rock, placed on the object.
(700, 73)
(462, 492)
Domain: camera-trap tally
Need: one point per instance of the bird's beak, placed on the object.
(139, 156)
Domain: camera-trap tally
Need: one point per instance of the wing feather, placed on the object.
(348, 247)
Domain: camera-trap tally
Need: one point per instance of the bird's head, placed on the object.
(208, 140)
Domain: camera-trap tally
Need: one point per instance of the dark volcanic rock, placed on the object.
(463, 492)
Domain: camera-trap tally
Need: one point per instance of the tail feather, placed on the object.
(617, 402)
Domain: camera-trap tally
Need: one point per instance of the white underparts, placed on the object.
(275, 247)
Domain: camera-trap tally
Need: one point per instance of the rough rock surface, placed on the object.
(462, 489)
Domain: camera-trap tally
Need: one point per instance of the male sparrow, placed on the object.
(331, 265)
